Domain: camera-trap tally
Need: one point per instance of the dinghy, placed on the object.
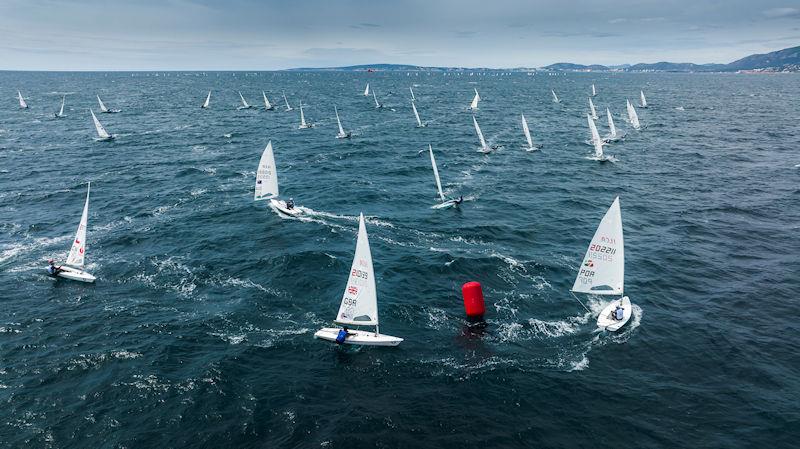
(531, 146)
(555, 97)
(416, 114)
(614, 134)
(602, 271)
(444, 201)
(303, 123)
(633, 117)
(104, 109)
(102, 134)
(288, 107)
(207, 102)
(244, 105)
(359, 305)
(413, 98)
(342, 134)
(597, 142)
(267, 105)
(60, 112)
(643, 103)
(22, 104)
(592, 109)
(375, 97)
(484, 148)
(366, 90)
(594, 91)
(474, 105)
(267, 185)
(73, 269)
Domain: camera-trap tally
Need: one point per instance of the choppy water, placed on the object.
(198, 332)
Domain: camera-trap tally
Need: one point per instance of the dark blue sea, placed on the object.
(199, 330)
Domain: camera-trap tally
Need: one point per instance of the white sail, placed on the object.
(61, 111)
(375, 97)
(303, 123)
(632, 116)
(266, 176)
(436, 174)
(475, 100)
(598, 144)
(611, 123)
(208, 100)
(103, 107)
(527, 131)
(366, 90)
(591, 107)
(413, 98)
(480, 134)
(594, 91)
(644, 100)
(100, 130)
(339, 122)
(602, 271)
(244, 102)
(555, 97)
(416, 114)
(360, 300)
(288, 108)
(77, 253)
(22, 103)
(267, 104)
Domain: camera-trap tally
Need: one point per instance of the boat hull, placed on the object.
(75, 274)
(280, 207)
(606, 318)
(446, 204)
(358, 337)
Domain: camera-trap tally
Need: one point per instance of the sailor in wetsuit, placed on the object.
(619, 313)
(342, 336)
(290, 204)
(52, 269)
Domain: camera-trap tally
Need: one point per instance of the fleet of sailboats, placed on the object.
(444, 201)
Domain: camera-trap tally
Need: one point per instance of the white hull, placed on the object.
(306, 126)
(603, 158)
(358, 337)
(533, 148)
(343, 136)
(111, 111)
(105, 139)
(280, 206)
(606, 319)
(75, 274)
(446, 204)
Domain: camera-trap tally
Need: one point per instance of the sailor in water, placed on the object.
(290, 204)
(52, 269)
(619, 313)
(342, 336)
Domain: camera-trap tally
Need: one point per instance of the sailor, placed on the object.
(290, 204)
(52, 269)
(619, 313)
(342, 336)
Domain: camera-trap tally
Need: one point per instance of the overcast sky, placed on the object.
(277, 34)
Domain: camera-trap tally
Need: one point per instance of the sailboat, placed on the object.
(416, 114)
(244, 105)
(303, 123)
(614, 134)
(342, 134)
(484, 148)
(366, 90)
(555, 97)
(444, 201)
(359, 305)
(73, 269)
(104, 109)
(267, 184)
(208, 101)
(60, 112)
(474, 105)
(102, 134)
(643, 99)
(375, 97)
(22, 104)
(288, 107)
(531, 146)
(602, 271)
(598, 144)
(413, 98)
(594, 91)
(267, 105)
(591, 108)
(633, 117)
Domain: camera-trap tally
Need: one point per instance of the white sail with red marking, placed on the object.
(266, 175)
(602, 271)
(77, 253)
(360, 300)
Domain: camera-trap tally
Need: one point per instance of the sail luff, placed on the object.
(436, 174)
(77, 253)
(359, 304)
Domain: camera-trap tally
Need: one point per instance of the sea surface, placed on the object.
(199, 330)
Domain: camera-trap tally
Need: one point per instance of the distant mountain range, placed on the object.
(786, 60)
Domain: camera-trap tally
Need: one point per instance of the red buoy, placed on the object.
(473, 300)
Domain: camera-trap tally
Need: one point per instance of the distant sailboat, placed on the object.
(366, 90)
(303, 123)
(102, 134)
(444, 201)
(267, 105)
(60, 112)
(643, 99)
(591, 108)
(22, 104)
(413, 98)
(244, 105)
(531, 146)
(614, 134)
(359, 306)
(416, 115)
(555, 97)
(598, 144)
(375, 97)
(73, 269)
(484, 148)
(207, 102)
(594, 91)
(104, 109)
(342, 134)
(602, 271)
(267, 185)
(633, 117)
(288, 107)
(474, 105)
